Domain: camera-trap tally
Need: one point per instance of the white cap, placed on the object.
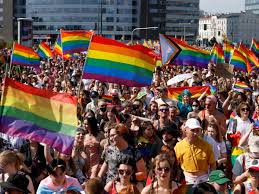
(192, 123)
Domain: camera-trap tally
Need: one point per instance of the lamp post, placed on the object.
(146, 28)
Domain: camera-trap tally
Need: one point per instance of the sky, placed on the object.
(222, 6)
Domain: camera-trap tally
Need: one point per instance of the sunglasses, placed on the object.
(245, 109)
(164, 109)
(165, 170)
(124, 172)
(195, 105)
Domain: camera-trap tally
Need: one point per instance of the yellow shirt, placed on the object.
(196, 157)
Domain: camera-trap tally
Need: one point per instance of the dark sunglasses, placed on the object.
(245, 109)
(164, 109)
(195, 105)
(165, 170)
(124, 172)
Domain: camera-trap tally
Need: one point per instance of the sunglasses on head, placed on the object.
(124, 172)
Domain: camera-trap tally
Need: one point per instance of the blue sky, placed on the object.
(222, 6)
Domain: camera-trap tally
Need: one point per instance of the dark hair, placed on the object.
(202, 188)
(94, 186)
(56, 163)
(240, 106)
(92, 122)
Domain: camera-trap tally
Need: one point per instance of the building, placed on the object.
(252, 6)
(111, 18)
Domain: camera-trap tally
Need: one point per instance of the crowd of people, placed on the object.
(140, 141)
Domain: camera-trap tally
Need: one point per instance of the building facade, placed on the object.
(252, 5)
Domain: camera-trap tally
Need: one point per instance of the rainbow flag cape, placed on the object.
(240, 62)
(44, 50)
(241, 85)
(188, 55)
(39, 115)
(194, 91)
(75, 41)
(25, 56)
(217, 54)
(112, 61)
(228, 50)
(58, 50)
(255, 47)
(249, 55)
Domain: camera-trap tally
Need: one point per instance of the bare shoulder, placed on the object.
(147, 189)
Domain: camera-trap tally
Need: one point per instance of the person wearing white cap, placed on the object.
(194, 154)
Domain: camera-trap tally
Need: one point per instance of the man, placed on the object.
(93, 105)
(210, 112)
(219, 181)
(16, 184)
(194, 155)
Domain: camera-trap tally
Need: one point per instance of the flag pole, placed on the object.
(80, 81)
(11, 60)
(62, 51)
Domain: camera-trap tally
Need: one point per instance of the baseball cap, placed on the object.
(218, 176)
(93, 94)
(192, 123)
(254, 165)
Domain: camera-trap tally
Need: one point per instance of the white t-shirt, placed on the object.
(221, 147)
(213, 144)
(242, 126)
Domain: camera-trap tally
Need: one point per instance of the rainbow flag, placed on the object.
(188, 55)
(249, 55)
(217, 54)
(39, 115)
(107, 98)
(194, 91)
(240, 62)
(112, 61)
(75, 41)
(241, 85)
(25, 56)
(58, 50)
(228, 50)
(44, 50)
(255, 47)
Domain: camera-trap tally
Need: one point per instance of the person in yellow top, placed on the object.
(194, 154)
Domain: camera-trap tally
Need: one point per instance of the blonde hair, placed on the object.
(9, 157)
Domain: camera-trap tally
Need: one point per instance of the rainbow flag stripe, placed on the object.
(228, 50)
(39, 115)
(58, 50)
(240, 62)
(217, 54)
(112, 61)
(255, 47)
(75, 41)
(44, 50)
(194, 91)
(249, 55)
(241, 85)
(189, 55)
(25, 56)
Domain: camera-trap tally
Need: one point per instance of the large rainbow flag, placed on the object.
(112, 61)
(75, 41)
(228, 50)
(217, 54)
(240, 62)
(44, 50)
(255, 47)
(188, 55)
(194, 91)
(249, 55)
(25, 56)
(39, 115)
(58, 49)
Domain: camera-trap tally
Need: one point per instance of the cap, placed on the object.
(254, 165)
(192, 123)
(218, 176)
(18, 182)
(93, 94)
(254, 144)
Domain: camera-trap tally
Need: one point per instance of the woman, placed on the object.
(123, 183)
(214, 132)
(195, 110)
(10, 164)
(163, 176)
(152, 111)
(184, 105)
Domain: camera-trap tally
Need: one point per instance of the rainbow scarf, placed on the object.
(25, 56)
(240, 62)
(75, 41)
(44, 50)
(39, 115)
(115, 62)
(217, 54)
(228, 50)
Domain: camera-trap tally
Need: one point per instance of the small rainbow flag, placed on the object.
(228, 50)
(44, 50)
(39, 115)
(75, 41)
(240, 62)
(25, 56)
(194, 91)
(255, 47)
(249, 55)
(58, 50)
(188, 55)
(112, 61)
(107, 98)
(217, 54)
(241, 85)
